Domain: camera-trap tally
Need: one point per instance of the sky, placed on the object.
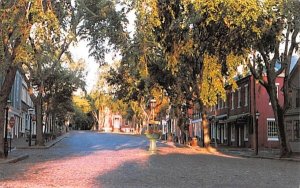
(81, 51)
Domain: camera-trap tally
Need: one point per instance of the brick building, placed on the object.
(231, 121)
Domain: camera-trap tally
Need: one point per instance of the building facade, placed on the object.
(292, 115)
(231, 121)
(20, 102)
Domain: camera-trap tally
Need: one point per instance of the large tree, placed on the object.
(207, 40)
(18, 20)
(272, 53)
(188, 48)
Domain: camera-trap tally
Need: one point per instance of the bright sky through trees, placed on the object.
(80, 51)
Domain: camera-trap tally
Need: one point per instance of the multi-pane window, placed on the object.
(292, 130)
(272, 129)
(232, 100)
(239, 98)
(246, 95)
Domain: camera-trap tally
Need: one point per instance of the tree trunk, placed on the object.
(285, 151)
(206, 138)
(99, 119)
(39, 121)
(5, 90)
(279, 115)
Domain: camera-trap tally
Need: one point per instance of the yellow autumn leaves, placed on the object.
(234, 15)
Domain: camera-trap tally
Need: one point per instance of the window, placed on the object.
(232, 133)
(246, 95)
(272, 129)
(232, 100)
(219, 103)
(239, 98)
(246, 132)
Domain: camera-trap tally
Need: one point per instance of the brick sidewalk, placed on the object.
(244, 152)
(20, 145)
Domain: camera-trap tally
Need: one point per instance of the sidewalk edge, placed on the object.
(16, 159)
(47, 146)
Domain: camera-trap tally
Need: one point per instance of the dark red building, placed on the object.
(232, 120)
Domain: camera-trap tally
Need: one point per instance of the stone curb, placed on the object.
(242, 155)
(266, 157)
(258, 157)
(15, 159)
(48, 145)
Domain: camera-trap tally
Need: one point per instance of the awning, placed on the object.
(221, 118)
(235, 117)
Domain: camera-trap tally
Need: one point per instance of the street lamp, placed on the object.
(257, 114)
(6, 125)
(30, 112)
(152, 106)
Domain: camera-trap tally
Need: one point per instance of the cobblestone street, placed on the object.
(88, 159)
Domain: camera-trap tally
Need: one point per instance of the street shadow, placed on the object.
(127, 163)
(197, 170)
(76, 149)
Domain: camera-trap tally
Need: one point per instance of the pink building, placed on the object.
(232, 120)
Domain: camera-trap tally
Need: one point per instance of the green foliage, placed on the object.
(82, 120)
(102, 26)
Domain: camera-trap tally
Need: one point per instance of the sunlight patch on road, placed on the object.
(77, 171)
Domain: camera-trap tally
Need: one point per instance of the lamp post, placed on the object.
(152, 106)
(6, 125)
(152, 136)
(257, 114)
(30, 112)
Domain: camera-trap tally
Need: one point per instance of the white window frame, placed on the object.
(239, 98)
(246, 95)
(232, 100)
(271, 122)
